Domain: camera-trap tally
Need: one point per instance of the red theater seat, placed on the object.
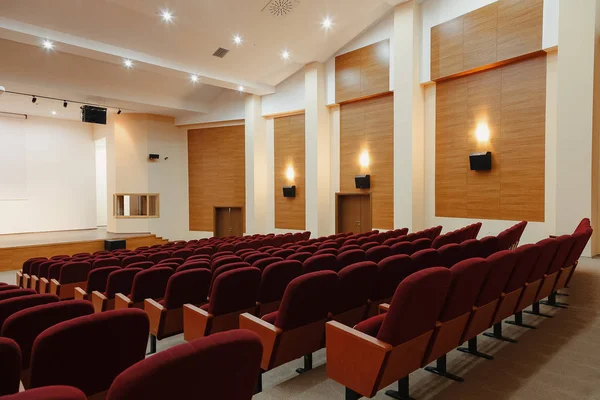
(378, 253)
(320, 262)
(265, 262)
(72, 274)
(15, 304)
(300, 256)
(350, 305)
(275, 279)
(49, 393)
(118, 282)
(132, 259)
(350, 257)
(148, 284)
(10, 366)
(9, 294)
(96, 281)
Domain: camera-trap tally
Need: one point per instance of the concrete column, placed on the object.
(575, 76)
(256, 167)
(409, 131)
(318, 152)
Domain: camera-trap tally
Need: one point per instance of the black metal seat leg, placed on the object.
(403, 390)
(553, 303)
(308, 361)
(535, 310)
(472, 349)
(519, 321)
(441, 370)
(259, 387)
(352, 395)
(152, 344)
(497, 334)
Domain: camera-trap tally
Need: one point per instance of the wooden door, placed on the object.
(228, 221)
(353, 213)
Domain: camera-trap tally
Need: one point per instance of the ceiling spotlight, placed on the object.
(240, 88)
(33, 99)
(128, 63)
(53, 112)
(48, 45)
(194, 78)
(285, 55)
(65, 104)
(237, 39)
(166, 15)
(326, 24)
(119, 112)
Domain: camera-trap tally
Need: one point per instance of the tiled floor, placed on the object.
(559, 360)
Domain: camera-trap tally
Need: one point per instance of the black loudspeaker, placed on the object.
(114, 244)
(289, 191)
(153, 156)
(94, 115)
(480, 161)
(363, 181)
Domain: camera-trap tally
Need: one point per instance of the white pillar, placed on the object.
(256, 167)
(576, 43)
(409, 133)
(318, 152)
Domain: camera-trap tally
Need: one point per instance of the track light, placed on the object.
(65, 104)
(34, 99)
(241, 88)
(119, 112)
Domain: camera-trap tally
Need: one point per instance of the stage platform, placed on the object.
(15, 249)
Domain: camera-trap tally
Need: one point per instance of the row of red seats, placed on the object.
(436, 310)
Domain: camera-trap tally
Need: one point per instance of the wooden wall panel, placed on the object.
(290, 213)
(363, 73)
(369, 125)
(486, 37)
(217, 173)
(511, 101)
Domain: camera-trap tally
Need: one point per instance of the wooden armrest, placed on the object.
(267, 332)
(20, 278)
(122, 301)
(54, 287)
(195, 322)
(155, 313)
(26, 279)
(383, 308)
(98, 300)
(35, 282)
(355, 359)
(80, 294)
(44, 285)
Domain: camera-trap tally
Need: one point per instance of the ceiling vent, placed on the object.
(279, 8)
(220, 52)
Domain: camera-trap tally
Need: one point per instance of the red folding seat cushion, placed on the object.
(10, 366)
(203, 368)
(112, 341)
(25, 325)
(187, 287)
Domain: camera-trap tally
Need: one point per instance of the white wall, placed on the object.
(228, 106)
(288, 96)
(101, 190)
(60, 177)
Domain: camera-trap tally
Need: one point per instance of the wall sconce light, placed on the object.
(289, 173)
(364, 159)
(482, 133)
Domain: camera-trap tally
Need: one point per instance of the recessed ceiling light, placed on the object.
(48, 45)
(237, 39)
(194, 78)
(166, 15)
(326, 24)
(241, 88)
(53, 112)
(127, 63)
(285, 55)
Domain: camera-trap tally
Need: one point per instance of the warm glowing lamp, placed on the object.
(289, 173)
(482, 133)
(364, 159)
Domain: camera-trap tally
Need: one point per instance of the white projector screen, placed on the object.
(13, 163)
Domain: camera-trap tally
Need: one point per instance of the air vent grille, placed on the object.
(220, 52)
(280, 8)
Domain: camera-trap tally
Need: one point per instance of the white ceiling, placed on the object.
(93, 36)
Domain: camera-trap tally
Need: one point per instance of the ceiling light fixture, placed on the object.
(326, 24)
(285, 55)
(65, 104)
(33, 99)
(53, 112)
(194, 78)
(166, 15)
(128, 63)
(237, 39)
(240, 88)
(48, 45)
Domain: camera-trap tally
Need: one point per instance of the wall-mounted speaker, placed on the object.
(153, 156)
(480, 161)
(362, 181)
(93, 115)
(114, 244)
(289, 191)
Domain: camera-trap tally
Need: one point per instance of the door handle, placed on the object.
(357, 222)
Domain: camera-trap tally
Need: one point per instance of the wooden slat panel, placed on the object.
(362, 73)
(369, 125)
(447, 48)
(480, 28)
(290, 213)
(511, 101)
(519, 27)
(216, 164)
